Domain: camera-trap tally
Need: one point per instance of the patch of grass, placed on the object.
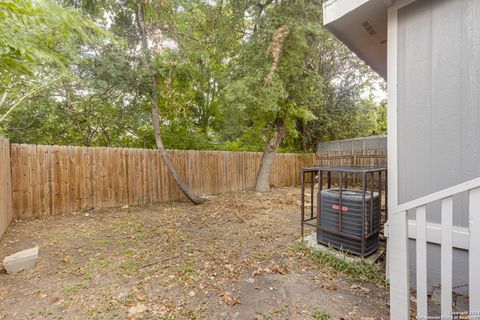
(321, 315)
(188, 269)
(74, 287)
(281, 310)
(91, 311)
(168, 247)
(140, 235)
(94, 265)
(129, 252)
(129, 266)
(61, 237)
(102, 241)
(191, 314)
(264, 316)
(188, 248)
(125, 242)
(89, 234)
(360, 270)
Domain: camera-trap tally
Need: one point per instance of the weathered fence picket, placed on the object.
(52, 180)
(5, 186)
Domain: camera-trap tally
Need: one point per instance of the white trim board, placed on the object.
(335, 9)
(392, 132)
(461, 235)
(434, 234)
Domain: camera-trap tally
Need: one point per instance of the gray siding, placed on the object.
(439, 105)
(438, 98)
(460, 267)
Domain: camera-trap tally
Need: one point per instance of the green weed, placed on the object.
(74, 287)
(321, 315)
(360, 270)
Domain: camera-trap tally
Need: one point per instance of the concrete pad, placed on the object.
(22, 260)
(311, 241)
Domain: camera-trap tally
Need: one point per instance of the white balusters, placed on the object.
(474, 252)
(421, 244)
(446, 257)
(398, 252)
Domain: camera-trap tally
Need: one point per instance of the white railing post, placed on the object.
(399, 273)
(398, 255)
(474, 252)
(421, 245)
(446, 257)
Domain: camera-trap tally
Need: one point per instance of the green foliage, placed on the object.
(316, 88)
(40, 41)
(38, 33)
(67, 81)
(328, 258)
(321, 315)
(289, 90)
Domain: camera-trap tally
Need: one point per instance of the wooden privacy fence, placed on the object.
(365, 158)
(5, 186)
(52, 180)
(364, 152)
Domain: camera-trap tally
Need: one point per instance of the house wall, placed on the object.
(439, 109)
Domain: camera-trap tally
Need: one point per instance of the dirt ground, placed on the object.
(232, 258)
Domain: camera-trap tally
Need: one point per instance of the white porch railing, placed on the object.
(399, 257)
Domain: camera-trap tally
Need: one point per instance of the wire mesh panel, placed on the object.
(348, 212)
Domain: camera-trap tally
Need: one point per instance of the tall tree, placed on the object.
(140, 22)
(274, 82)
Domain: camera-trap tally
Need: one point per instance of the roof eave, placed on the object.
(362, 26)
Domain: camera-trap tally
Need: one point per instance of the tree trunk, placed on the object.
(263, 176)
(166, 160)
(155, 118)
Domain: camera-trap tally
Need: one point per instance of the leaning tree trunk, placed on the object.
(155, 118)
(263, 176)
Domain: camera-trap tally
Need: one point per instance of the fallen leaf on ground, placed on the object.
(332, 287)
(137, 309)
(229, 300)
(273, 269)
(260, 271)
(3, 292)
(279, 269)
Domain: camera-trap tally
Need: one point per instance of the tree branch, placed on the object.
(27, 95)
